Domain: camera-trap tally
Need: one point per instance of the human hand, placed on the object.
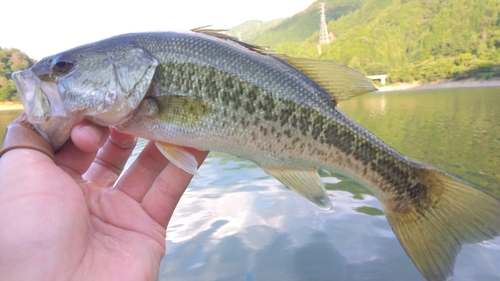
(64, 221)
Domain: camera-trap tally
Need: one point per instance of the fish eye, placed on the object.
(62, 67)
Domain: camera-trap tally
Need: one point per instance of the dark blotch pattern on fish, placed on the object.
(251, 106)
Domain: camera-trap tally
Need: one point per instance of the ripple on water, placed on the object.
(235, 222)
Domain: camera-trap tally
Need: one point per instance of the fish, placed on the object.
(207, 90)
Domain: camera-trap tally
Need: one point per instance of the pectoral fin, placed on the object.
(305, 182)
(179, 156)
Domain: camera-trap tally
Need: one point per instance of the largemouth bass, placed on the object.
(206, 90)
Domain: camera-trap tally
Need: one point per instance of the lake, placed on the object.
(235, 222)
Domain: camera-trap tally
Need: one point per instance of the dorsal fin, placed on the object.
(340, 81)
(221, 34)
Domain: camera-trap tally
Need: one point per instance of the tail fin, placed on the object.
(433, 235)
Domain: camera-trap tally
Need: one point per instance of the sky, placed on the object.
(41, 28)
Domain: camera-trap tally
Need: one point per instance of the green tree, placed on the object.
(423, 40)
(11, 60)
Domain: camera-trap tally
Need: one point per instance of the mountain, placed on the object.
(420, 40)
(296, 28)
(250, 31)
(424, 40)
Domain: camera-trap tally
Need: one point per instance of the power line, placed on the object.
(323, 31)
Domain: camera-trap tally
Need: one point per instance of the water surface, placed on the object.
(235, 222)
(6, 116)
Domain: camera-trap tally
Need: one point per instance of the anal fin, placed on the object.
(307, 183)
(179, 156)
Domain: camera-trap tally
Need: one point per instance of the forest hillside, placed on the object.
(11, 60)
(410, 40)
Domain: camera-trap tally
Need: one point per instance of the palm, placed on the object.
(56, 224)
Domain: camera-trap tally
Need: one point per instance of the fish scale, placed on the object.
(249, 106)
(206, 90)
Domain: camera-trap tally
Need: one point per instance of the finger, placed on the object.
(139, 177)
(111, 158)
(78, 153)
(162, 198)
(21, 134)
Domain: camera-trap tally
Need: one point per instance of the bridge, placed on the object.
(378, 77)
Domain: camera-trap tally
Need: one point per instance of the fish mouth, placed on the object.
(44, 107)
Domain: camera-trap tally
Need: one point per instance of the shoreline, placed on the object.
(10, 105)
(415, 86)
(447, 84)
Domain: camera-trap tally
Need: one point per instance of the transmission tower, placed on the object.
(323, 31)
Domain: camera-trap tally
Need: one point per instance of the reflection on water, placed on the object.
(456, 130)
(241, 224)
(250, 227)
(6, 117)
(235, 222)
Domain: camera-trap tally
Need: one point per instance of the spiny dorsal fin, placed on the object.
(221, 34)
(340, 81)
